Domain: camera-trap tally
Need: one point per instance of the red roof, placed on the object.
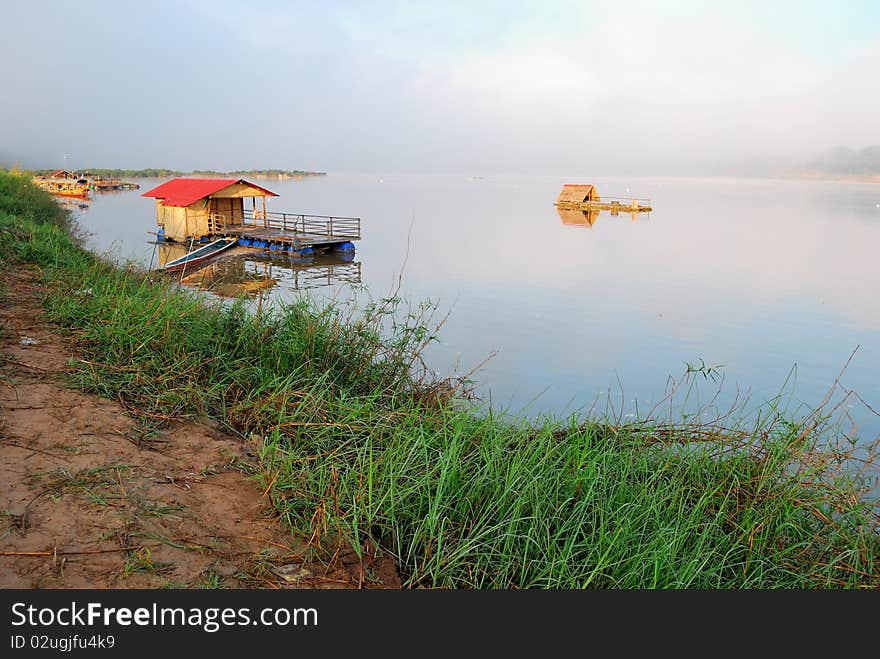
(185, 191)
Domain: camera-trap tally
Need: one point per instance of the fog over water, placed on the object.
(397, 87)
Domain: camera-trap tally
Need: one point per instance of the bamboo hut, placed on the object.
(574, 195)
(193, 208)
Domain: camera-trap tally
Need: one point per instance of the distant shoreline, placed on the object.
(840, 178)
(169, 173)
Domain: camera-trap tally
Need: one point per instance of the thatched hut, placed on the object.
(191, 208)
(575, 195)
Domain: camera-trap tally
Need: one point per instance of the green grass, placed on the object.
(356, 445)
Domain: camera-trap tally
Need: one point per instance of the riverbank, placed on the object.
(353, 449)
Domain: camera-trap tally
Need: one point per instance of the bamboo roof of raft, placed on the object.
(574, 194)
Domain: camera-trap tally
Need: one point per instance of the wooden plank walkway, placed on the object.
(295, 230)
(613, 204)
(288, 237)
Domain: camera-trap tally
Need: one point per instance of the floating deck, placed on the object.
(625, 206)
(106, 185)
(290, 230)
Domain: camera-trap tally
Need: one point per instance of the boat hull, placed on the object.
(200, 255)
(82, 194)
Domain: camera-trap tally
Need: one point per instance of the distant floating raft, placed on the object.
(586, 198)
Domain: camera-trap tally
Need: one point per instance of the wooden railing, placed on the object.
(322, 225)
(608, 199)
(624, 201)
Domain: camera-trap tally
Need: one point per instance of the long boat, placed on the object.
(201, 254)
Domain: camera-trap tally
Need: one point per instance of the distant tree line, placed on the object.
(170, 173)
(119, 173)
(274, 173)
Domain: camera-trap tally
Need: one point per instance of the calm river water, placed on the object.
(773, 282)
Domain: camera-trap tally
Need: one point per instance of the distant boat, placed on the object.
(63, 187)
(201, 254)
(81, 192)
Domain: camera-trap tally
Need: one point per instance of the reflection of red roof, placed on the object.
(185, 191)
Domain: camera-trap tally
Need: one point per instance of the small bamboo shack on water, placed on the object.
(585, 197)
(191, 208)
(574, 195)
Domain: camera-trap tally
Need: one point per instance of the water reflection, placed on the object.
(586, 218)
(577, 217)
(75, 204)
(248, 272)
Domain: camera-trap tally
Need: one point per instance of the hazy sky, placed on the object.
(549, 87)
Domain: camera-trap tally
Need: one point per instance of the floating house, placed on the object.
(63, 183)
(199, 209)
(585, 197)
(71, 184)
(193, 208)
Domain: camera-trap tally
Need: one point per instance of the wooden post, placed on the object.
(331, 226)
(284, 221)
(265, 218)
